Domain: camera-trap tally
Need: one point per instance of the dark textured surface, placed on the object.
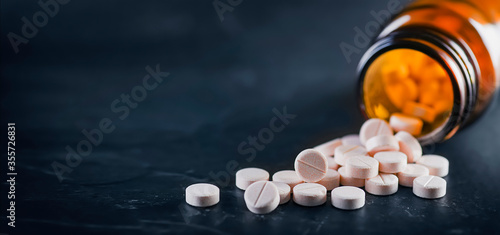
(225, 79)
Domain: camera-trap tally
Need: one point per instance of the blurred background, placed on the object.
(227, 74)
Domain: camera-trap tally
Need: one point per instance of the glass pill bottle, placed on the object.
(436, 64)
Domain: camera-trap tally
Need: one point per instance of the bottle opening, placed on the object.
(408, 85)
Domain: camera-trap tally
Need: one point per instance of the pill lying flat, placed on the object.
(328, 148)
(411, 172)
(342, 153)
(401, 122)
(391, 161)
(202, 195)
(362, 167)
(309, 194)
(352, 139)
(284, 191)
(289, 177)
(421, 111)
(382, 184)
(347, 180)
(332, 164)
(409, 145)
(311, 165)
(348, 198)
(429, 186)
(436, 164)
(381, 143)
(245, 177)
(262, 197)
(374, 127)
(331, 180)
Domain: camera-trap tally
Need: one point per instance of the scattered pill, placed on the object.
(374, 127)
(284, 191)
(436, 164)
(362, 167)
(309, 194)
(262, 197)
(202, 195)
(331, 180)
(289, 177)
(411, 172)
(311, 165)
(421, 111)
(352, 139)
(332, 164)
(328, 148)
(348, 198)
(401, 122)
(381, 143)
(382, 184)
(429, 186)
(391, 161)
(347, 180)
(409, 145)
(342, 153)
(245, 177)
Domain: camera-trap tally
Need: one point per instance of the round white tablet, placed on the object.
(347, 180)
(245, 177)
(391, 161)
(381, 143)
(342, 153)
(348, 198)
(409, 145)
(331, 180)
(284, 191)
(289, 177)
(311, 165)
(436, 164)
(411, 172)
(362, 167)
(309, 194)
(373, 127)
(262, 197)
(429, 186)
(352, 139)
(202, 195)
(328, 148)
(332, 164)
(382, 184)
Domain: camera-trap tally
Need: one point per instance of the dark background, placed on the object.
(225, 79)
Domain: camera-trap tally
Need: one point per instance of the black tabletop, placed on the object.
(120, 105)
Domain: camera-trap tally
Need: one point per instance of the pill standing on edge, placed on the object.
(362, 167)
(332, 164)
(342, 153)
(289, 177)
(347, 180)
(391, 161)
(262, 197)
(284, 191)
(309, 194)
(245, 177)
(352, 139)
(328, 148)
(374, 127)
(311, 165)
(331, 180)
(382, 184)
(381, 143)
(401, 122)
(436, 164)
(421, 111)
(409, 145)
(202, 195)
(411, 172)
(429, 186)
(348, 198)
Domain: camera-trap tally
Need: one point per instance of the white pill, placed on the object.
(311, 165)
(374, 127)
(202, 195)
(262, 197)
(382, 184)
(362, 167)
(284, 191)
(391, 161)
(401, 122)
(331, 180)
(328, 148)
(332, 164)
(436, 164)
(381, 143)
(352, 139)
(411, 172)
(309, 194)
(289, 177)
(342, 153)
(409, 145)
(247, 176)
(429, 186)
(347, 180)
(348, 198)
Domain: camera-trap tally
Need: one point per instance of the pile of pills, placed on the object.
(376, 159)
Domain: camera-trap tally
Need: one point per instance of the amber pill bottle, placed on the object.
(442, 53)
